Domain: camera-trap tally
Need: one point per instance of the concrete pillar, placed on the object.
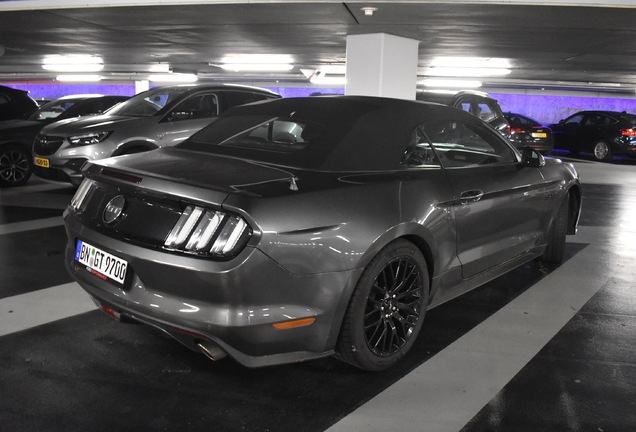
(381, 64)
(141, 85)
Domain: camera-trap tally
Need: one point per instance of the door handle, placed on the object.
(473, 195)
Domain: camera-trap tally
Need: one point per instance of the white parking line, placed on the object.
(448, 390)
(30, 225)
(32, 309)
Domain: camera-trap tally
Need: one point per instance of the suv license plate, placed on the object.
(41, 162)
(100, 263)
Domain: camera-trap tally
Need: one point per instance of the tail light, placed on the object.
(517, 130)
(628, 132)
(208, 233)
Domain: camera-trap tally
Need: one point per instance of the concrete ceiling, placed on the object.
(574, 47)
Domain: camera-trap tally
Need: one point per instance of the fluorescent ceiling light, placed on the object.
(451, 83)
(469, 67)
(466, 72)
(237, 67)
(78, 78)
(471, 62)
(73, 63)
(73, 67)
(174, 77)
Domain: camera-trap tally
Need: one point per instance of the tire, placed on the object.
(602, 151)
(555, 250)
(387, 308)
(15, 165)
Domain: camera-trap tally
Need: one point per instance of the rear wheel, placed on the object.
(387, 308)
(602, 151)
(15, 165)
(557, 235)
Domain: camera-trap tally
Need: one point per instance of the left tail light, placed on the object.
(207, 232)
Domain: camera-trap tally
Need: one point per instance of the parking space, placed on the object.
(541, 348)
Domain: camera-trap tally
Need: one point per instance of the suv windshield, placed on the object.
(148, 103)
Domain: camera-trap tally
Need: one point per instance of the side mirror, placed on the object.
(561, 121)
(532, 158)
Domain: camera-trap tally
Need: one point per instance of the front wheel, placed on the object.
(387, 308)
(15, 165)
(602, 151)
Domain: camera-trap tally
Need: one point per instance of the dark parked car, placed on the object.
(16, 136)
(527, 132)
(478, 103)
(303, 227)
(604, 133)
(15, 104)
(162, 116)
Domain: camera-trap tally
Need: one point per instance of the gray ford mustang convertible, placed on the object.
(298, 228)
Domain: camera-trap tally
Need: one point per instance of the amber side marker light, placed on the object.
(295, 323)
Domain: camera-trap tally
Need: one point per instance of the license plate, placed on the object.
(539, 135)
(41, 162)
(100, 263)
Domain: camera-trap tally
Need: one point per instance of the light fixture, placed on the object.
(256, 62)
(73, 63)
(466, 72)
(368, 10)
(442, 83)
(468, 67)
(173, 77)
(263, 67)
(78, 78)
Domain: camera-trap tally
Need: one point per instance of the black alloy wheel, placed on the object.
(15, 166)
(387, 308)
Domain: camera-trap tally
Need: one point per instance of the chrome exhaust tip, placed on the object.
(211, 350)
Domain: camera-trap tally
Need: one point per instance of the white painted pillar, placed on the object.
(141, 85)
(381, 64)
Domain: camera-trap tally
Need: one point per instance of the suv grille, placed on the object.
(47, 145)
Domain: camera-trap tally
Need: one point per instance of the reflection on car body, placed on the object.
(304, 227)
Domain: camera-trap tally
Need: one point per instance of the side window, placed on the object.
(577, 119)
(485, 111)
(465, 106)
(462, 145)
(418, 153)
(196, 107)
(3, 99)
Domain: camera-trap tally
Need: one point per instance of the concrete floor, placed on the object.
(543, 348)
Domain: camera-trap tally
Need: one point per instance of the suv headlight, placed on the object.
(89, 138)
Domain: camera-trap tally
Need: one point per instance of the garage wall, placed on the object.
(552, 108)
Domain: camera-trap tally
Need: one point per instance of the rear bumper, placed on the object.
(234, 304)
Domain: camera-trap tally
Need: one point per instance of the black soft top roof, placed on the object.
(360, 133)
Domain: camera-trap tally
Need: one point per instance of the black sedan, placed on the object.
(17, 136)
(527, 132)
(299, 228)
(603, 133)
